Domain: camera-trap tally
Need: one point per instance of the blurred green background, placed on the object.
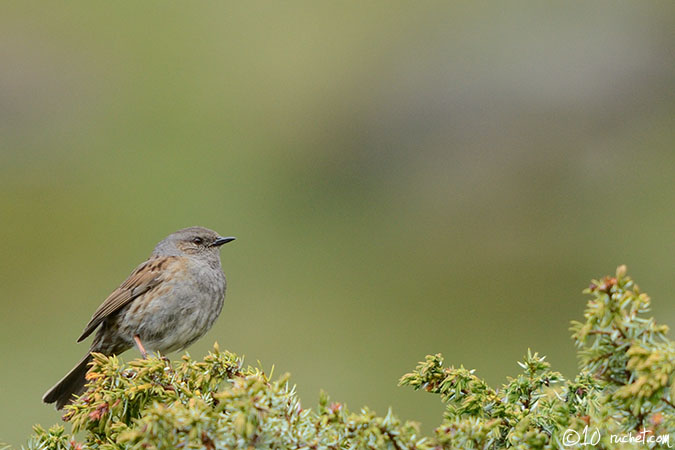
(403, 179)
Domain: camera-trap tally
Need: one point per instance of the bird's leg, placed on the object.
(139, 344)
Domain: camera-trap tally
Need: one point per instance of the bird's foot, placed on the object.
(139, 344)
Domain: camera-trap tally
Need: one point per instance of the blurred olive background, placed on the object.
(403, 179)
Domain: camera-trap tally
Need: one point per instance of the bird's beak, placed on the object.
(222, 240)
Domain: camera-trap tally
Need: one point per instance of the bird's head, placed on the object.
(191, 241)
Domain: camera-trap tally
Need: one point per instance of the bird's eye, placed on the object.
(198, 240)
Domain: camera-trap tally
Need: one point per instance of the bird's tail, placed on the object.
(72, 384)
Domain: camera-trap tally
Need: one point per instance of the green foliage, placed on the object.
(625, 384)
(216, 403)
(624, 388)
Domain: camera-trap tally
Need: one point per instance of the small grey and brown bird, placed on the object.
(166, 304)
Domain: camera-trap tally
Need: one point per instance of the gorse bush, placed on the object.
(623, 397)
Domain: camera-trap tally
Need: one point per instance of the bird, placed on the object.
(167, 303)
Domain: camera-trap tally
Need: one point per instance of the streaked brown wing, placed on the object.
(142, 279)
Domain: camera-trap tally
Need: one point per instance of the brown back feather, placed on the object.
(145, 277)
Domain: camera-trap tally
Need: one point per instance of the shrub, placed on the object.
(624, 390)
